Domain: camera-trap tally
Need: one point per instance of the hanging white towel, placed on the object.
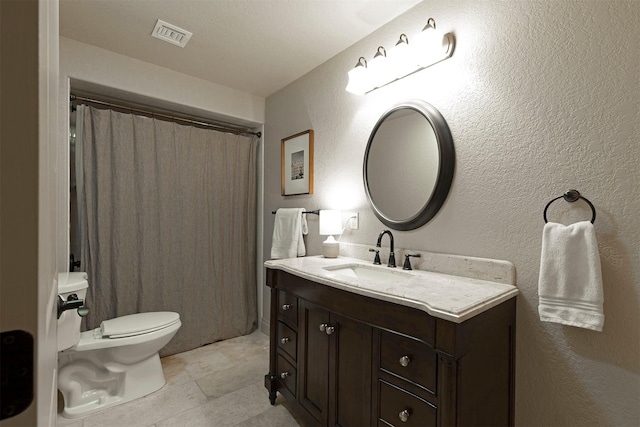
(289, 226)
(570, 284)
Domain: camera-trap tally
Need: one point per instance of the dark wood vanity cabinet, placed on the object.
(343, 359)
(334, 367)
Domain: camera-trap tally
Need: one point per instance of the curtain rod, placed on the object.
(166, 116)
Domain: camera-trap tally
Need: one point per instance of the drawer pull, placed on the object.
(404, 361)
(286, 307)
(330, 330)
(285, 340)
(404, 416)
(323, 327)
(284, 375)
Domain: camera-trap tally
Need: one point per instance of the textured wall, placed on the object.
(540, 97)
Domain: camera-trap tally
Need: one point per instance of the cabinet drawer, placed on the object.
(287, 340)
(394, 402)
(419, 358)
(288, 307)
(286, 374)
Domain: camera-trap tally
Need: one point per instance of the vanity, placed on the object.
(356, 344)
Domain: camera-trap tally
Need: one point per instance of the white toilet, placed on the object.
(112, 364)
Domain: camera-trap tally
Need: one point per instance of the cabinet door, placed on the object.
(314, 361)
(350, 373)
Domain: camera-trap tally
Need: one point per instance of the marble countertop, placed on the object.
(450, 297)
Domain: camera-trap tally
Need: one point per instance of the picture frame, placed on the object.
(297, 164)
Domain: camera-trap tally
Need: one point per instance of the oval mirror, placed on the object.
(408, 165)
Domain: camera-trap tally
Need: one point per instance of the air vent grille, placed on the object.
(171, 33)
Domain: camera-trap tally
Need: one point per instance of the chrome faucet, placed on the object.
(392, 256)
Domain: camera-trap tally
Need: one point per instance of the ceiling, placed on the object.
(256, 46)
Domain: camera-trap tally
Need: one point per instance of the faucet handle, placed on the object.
(407, 263)
(376, 260)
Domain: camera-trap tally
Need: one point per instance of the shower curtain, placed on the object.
(168, 223)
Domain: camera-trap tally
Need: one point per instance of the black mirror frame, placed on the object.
(445, 170)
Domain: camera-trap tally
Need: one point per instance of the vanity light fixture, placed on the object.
(426, 49)
(330, 224)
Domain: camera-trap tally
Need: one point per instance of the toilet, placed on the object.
(112, 364)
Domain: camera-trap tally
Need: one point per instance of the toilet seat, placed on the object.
(130, 333)
(137, 324)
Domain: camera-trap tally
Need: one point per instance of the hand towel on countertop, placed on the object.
(289, 226)
(570, 284)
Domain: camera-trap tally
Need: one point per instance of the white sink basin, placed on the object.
(371, 273)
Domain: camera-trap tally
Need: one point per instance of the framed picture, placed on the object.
(297, 164)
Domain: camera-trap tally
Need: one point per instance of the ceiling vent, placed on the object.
(171, 33)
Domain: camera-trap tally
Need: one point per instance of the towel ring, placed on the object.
(571, 196)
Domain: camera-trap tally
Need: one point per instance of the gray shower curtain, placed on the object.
(168, 223)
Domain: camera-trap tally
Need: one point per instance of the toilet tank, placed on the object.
(69, 321)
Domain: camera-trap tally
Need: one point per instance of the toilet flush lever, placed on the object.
(71, 303)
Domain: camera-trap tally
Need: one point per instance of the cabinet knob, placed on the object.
(324, 327)
(404, 416)
(286, 307)
(404, 361)
(284, 375)
(285, 340)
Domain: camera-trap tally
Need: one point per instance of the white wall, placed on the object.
(541, 97)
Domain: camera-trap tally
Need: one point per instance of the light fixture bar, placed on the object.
(407, 57)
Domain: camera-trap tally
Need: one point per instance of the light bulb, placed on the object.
(380, 68)
(401, 58)
(359, 81)
(428, 48)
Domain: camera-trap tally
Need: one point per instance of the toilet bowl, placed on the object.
(112, 364)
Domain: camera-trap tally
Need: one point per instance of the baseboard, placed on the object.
(264, 326)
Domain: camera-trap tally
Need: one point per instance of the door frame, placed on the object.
(28, 178)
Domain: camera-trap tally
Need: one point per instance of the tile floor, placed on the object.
(218, 385)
